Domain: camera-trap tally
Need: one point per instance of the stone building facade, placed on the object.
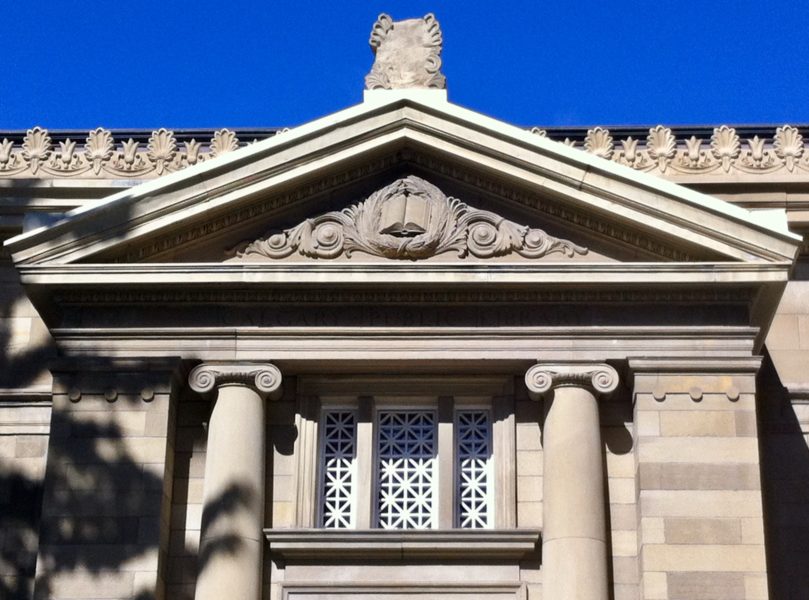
(405, 350)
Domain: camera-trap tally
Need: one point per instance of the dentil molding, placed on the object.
(543, 377)
(263, 378)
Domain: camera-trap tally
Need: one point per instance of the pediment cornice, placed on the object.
(230, 189)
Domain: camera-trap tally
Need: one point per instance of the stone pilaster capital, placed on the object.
(600, 378)
(264, 378)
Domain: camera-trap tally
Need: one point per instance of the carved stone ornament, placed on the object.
(409, 219)
(543, 377)
(407, 54)
(263, 378)
(104, 156)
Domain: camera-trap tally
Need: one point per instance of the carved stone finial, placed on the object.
(542, 377)
(408, 54)
(263, 378)
(410, 219)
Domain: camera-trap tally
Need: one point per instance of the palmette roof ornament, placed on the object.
(407, 54)
(103, 156)
(410, 219)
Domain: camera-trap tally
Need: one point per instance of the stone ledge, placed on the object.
(688, 365)
(398, 588)
(386, 545)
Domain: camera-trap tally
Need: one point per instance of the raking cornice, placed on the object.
(405, 119)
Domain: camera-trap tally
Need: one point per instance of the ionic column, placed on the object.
(574, 531)
(232, 539)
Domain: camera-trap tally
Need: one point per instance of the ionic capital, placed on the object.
(600, 378)
(264, 378)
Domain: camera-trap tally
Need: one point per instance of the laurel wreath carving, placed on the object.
(449, 226)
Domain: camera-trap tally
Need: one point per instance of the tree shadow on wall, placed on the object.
(25, 350)
(26, 347)
(232, 499)
(99, 517)
(785, 485)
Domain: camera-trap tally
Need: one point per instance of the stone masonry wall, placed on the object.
(24, 428)
(25, 413)
(700, 509)
(104, 531)
(186, 507)
(25, 343)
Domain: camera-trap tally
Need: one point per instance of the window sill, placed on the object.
(385, 544)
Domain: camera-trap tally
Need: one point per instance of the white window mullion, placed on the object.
(446, 463)
(365, 462)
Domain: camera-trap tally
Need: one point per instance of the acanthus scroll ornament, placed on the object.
(407, 54)
(263, 378)
(541, 378)
(410, 219)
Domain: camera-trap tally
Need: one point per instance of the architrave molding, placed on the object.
(460, 348)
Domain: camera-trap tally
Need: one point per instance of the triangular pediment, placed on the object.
(498, 173)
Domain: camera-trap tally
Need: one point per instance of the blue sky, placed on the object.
(182, 64)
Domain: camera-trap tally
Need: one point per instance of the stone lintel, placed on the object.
(263, 378)
(599, 378)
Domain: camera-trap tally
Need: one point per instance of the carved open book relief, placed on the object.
(410, 219)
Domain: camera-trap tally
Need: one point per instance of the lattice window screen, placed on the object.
(407, 469)
(338, 504)
(473, 468)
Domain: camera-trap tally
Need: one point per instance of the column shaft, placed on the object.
(574, 544)
(230, 557)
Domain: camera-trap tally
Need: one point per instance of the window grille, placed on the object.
(339, 465)
(403, 487)
(406, 469)
(473, 469)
